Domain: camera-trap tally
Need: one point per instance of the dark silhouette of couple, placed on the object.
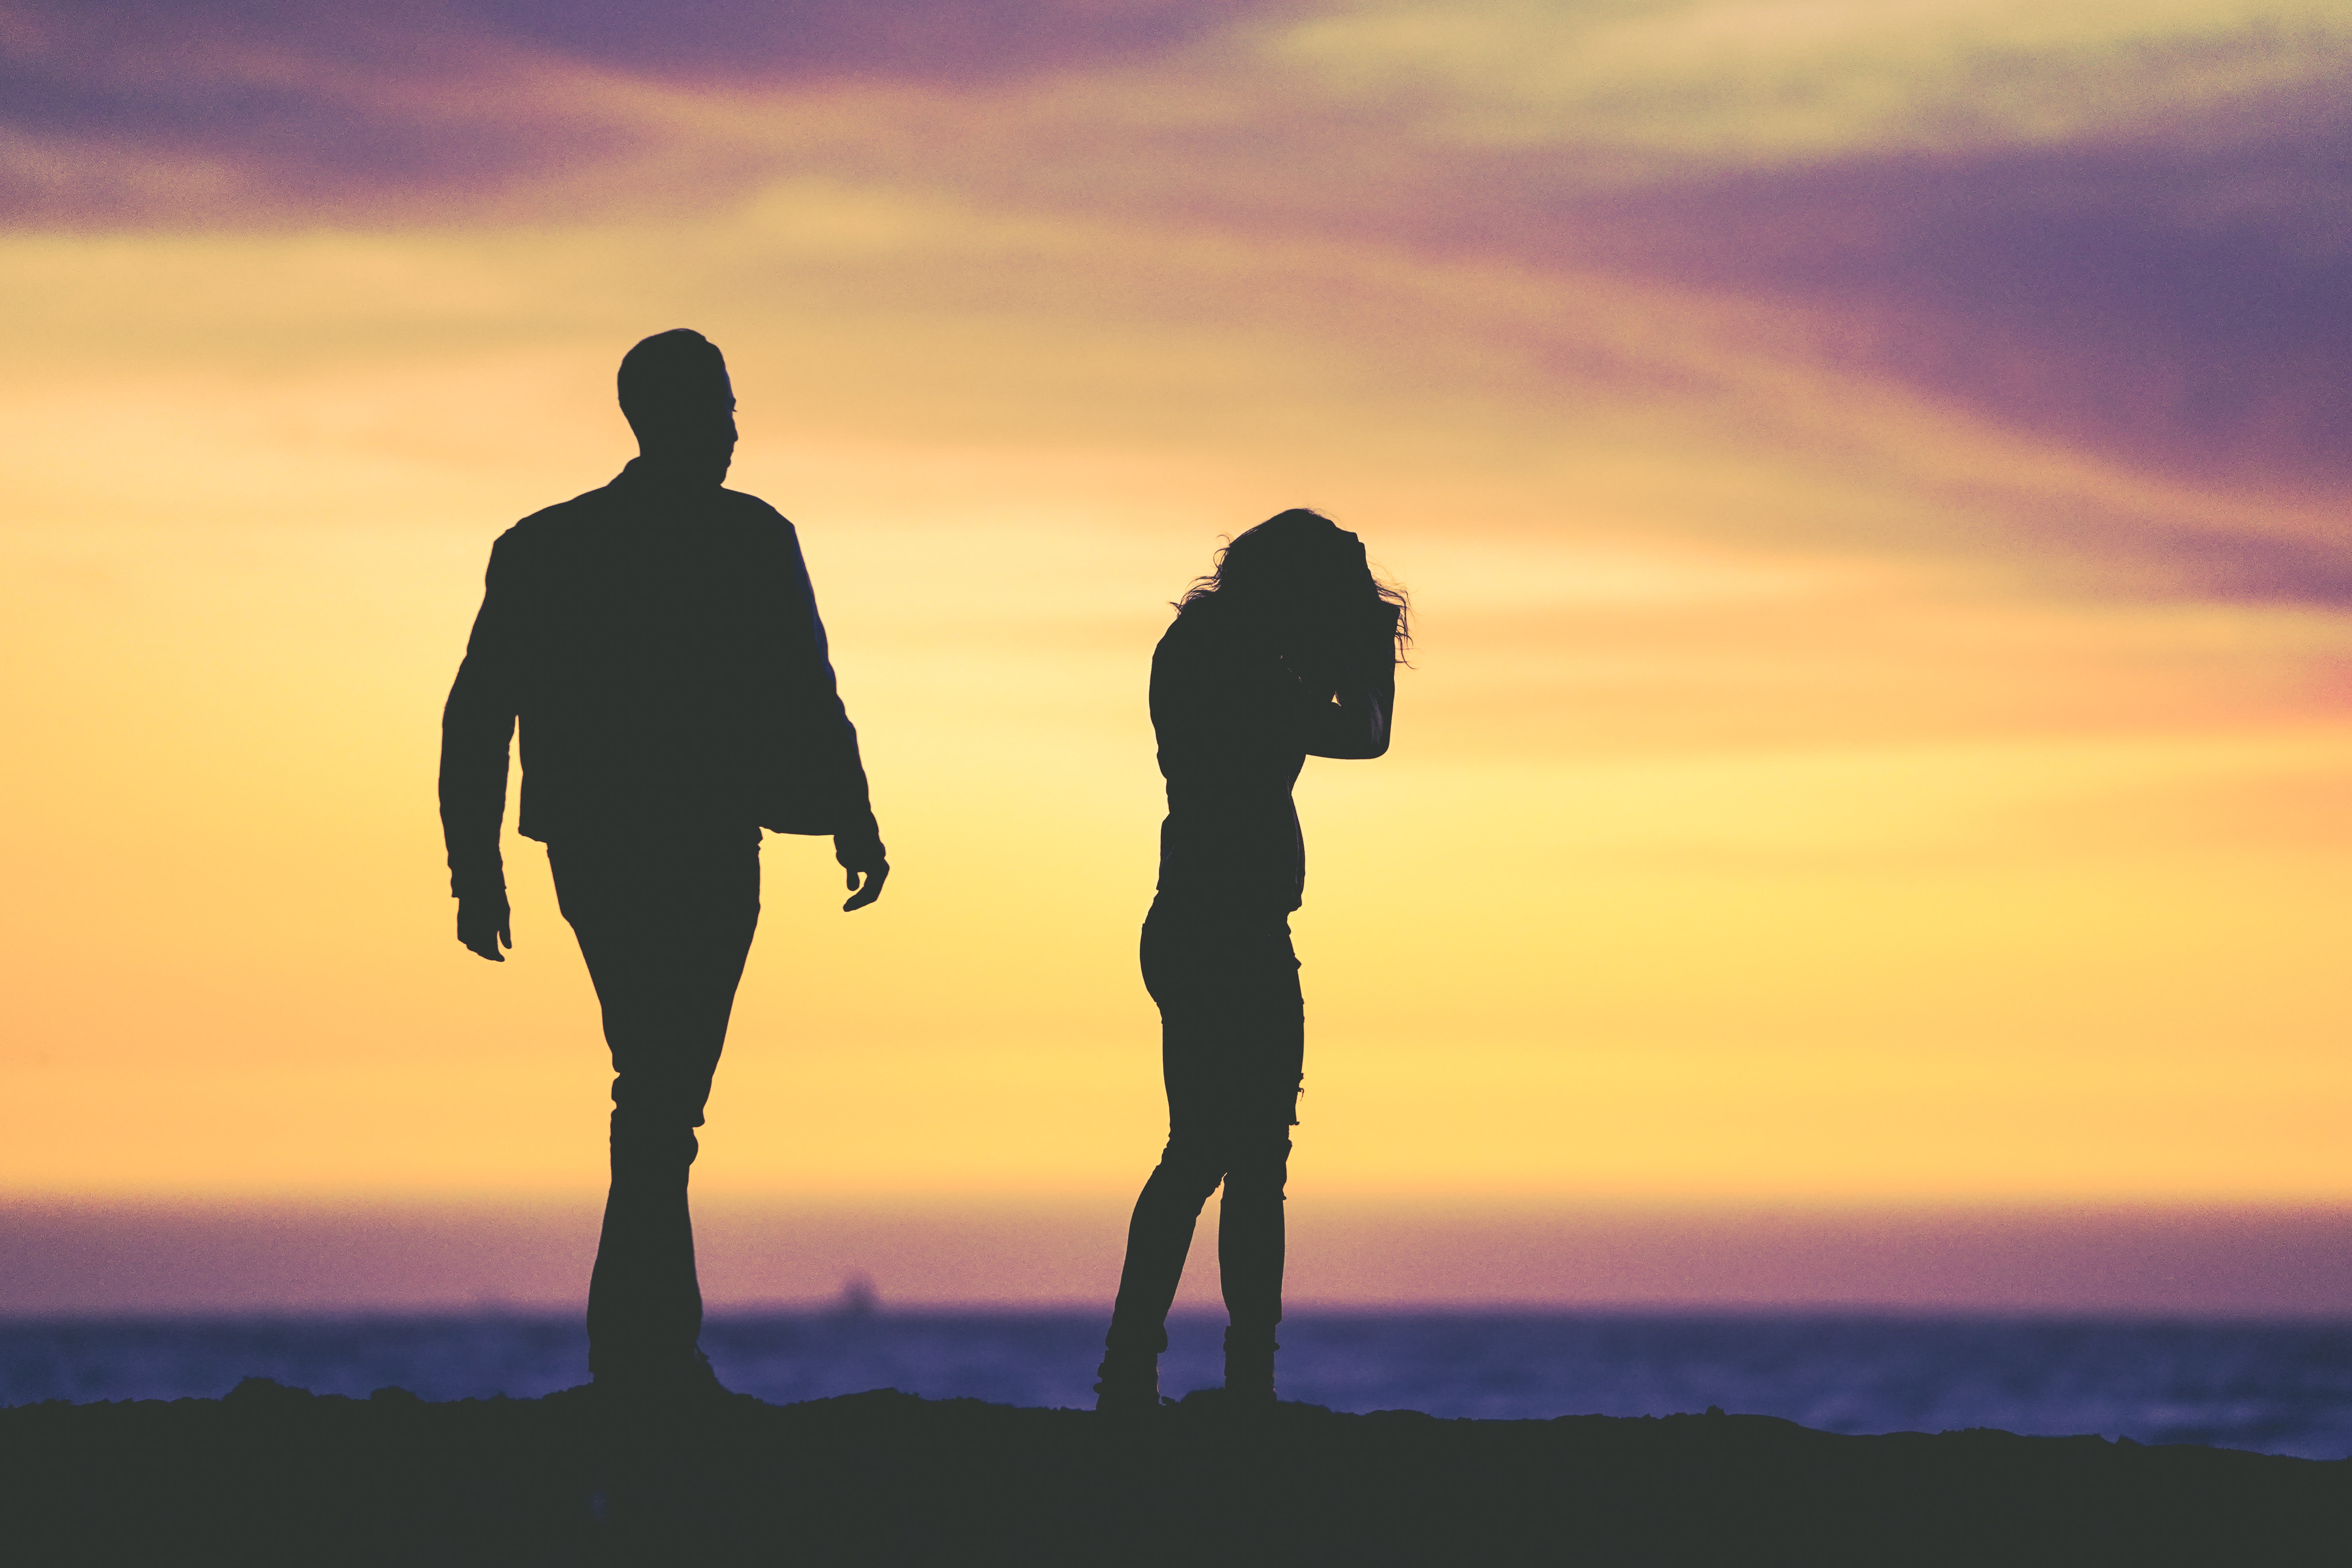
(659, 644)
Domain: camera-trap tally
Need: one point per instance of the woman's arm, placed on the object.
(1355, 723)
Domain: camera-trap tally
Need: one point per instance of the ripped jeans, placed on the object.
(1233, 1035)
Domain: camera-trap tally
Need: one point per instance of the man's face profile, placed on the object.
(701, 425)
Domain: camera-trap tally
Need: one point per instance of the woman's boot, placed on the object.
(1249, 1368)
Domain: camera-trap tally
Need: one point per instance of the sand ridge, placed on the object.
(273, 1474)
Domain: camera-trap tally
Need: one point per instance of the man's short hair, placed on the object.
(673, 373)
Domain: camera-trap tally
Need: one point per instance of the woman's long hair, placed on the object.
(1305, 582)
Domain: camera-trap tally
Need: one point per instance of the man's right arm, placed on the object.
(477, 725)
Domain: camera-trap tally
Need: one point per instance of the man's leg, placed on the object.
(664, 930)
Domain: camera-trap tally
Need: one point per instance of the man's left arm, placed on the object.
(818, 725)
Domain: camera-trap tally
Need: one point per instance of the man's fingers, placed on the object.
(869, 893)
(483, 939)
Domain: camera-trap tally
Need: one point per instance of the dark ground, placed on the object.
(274, 1474)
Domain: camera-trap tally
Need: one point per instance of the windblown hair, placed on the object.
(673, 373)
(1298, 571)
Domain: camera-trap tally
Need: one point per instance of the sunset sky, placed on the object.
(1871, 476)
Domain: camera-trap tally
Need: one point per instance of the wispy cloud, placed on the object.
(2105, 240)
(1750, 82)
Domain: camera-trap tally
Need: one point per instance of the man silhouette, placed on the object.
(658, 641)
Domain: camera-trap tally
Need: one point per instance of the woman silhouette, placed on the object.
(1287, 649)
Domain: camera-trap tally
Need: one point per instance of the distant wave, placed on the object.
(2271, 1388)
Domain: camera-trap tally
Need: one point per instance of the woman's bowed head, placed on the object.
(1301, 582)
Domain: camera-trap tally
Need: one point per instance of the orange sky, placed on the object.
(1870, 480)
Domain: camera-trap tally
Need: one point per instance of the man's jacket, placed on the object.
(660, 646)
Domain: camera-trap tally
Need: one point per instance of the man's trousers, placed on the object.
(665, 925)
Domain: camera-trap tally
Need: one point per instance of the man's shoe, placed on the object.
(1127, 1387)
(665, 1385)
(1221, 1404)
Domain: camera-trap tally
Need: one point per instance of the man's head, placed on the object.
(676, 395)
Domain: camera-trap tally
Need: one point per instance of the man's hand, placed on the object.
(483, 925)
(865, 860)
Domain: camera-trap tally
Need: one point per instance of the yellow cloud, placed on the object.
(1769, 80)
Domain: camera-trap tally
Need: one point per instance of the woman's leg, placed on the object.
(1159, 1237)
(1231, 1034)
(1250, 1244)
(1269, 1031)
(1178, 970)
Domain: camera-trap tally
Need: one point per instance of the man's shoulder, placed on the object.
(594, 513)
(552, 522)
(742, 507)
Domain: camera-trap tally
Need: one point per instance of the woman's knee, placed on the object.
(1257, 1161)
(1191, 1165)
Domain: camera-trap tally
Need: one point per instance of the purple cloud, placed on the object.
(2178, 296)
(2187, 302)
(959, 40)
(299, 107)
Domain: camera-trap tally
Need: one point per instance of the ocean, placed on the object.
(2273, 1388)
